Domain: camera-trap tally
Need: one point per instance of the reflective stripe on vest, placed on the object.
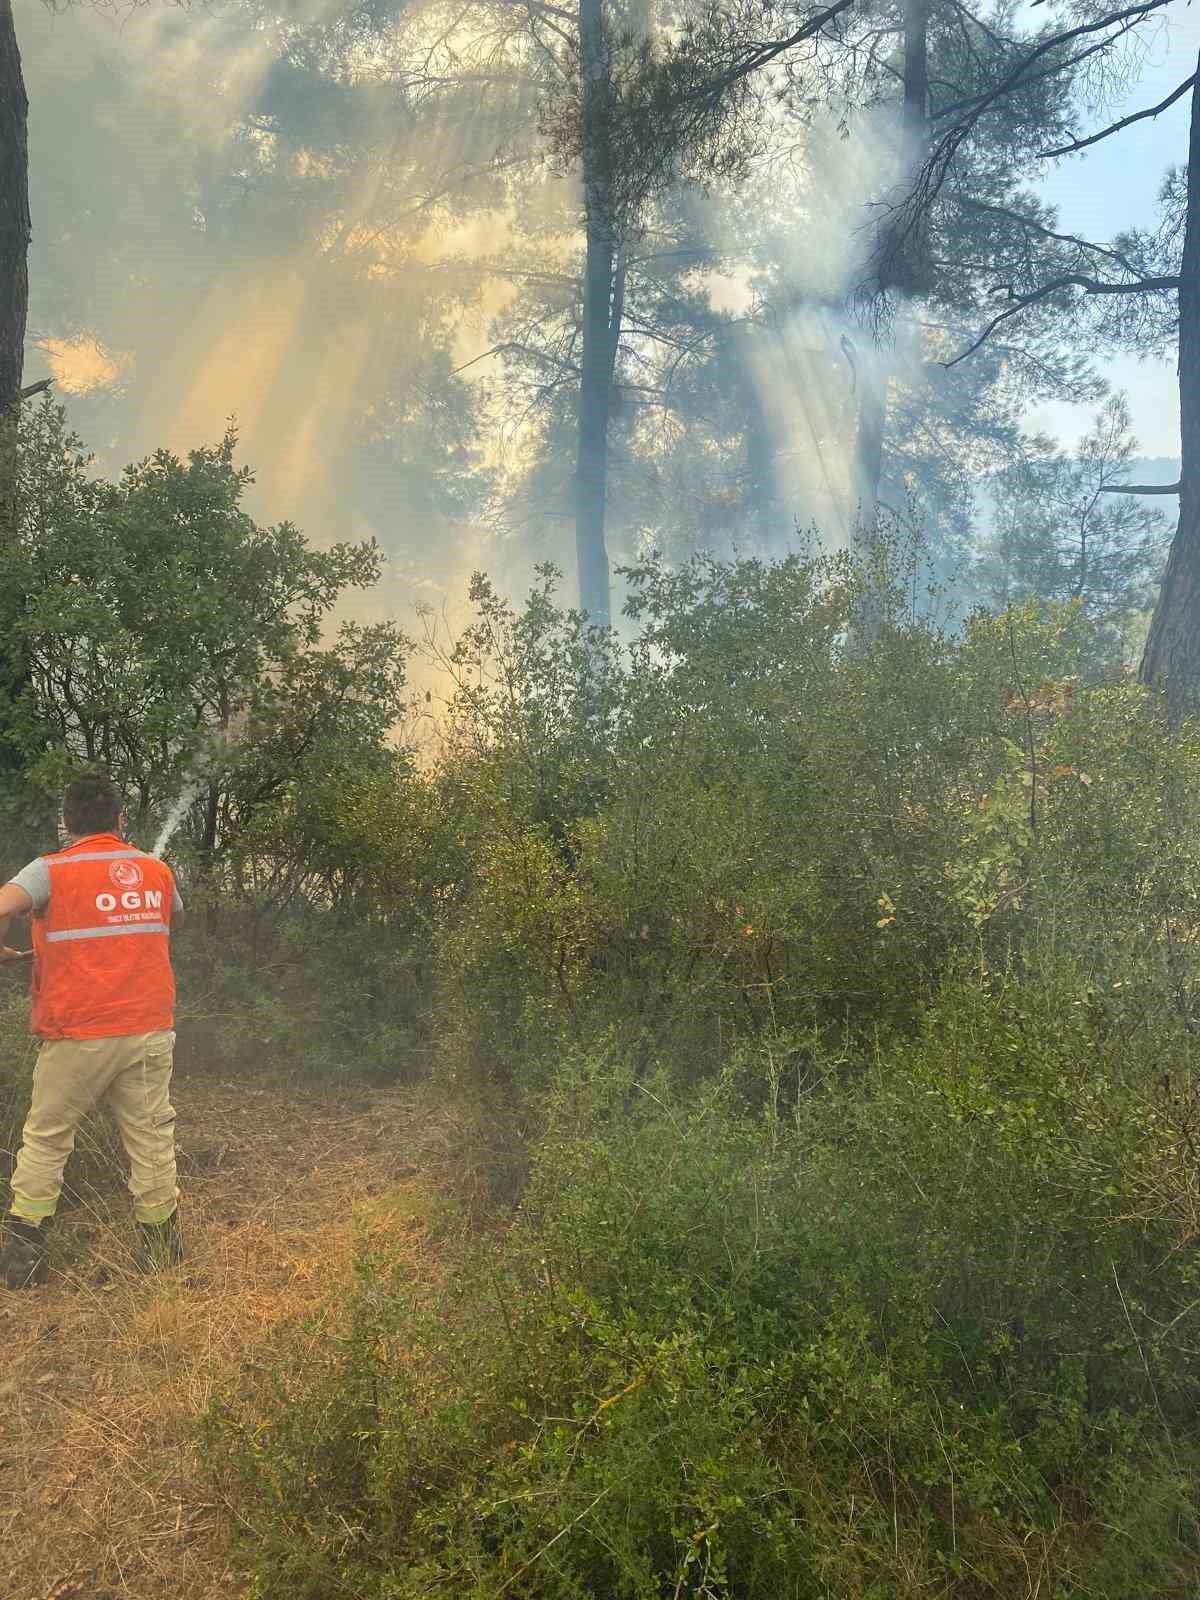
(106, 933)
(95, 855)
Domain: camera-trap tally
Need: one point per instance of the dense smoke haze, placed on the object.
(347, 233)
(236, 221)
(191, 265)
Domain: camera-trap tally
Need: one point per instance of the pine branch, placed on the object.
(1072, 280)
(1049, 233)
(1125, 122)
(934, 173)
(980, 102)
(765, 52)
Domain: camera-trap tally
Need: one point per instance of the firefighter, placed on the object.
(103, 1001)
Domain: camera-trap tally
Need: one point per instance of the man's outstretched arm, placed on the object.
(14, 902)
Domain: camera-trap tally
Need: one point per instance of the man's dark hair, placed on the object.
(92, 803)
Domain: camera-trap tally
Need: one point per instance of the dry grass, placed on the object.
(104, 1371)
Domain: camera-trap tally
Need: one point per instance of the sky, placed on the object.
(1114, 186)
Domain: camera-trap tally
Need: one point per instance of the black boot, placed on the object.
(160, 1244)
(23, 1260)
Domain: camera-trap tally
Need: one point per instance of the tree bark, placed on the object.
(758, 497)
(895, 272)
(14, 211)
(14, 300)
(902, 270)
(1172, 654)
(916, 77)
(868, 448)
(595, 387)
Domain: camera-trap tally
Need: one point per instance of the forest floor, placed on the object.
(104, 1372)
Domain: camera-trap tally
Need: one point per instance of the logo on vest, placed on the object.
(125, 874)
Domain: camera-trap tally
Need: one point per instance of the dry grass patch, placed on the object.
(104, 1372)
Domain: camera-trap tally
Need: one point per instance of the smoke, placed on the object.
(810, 357)
(223, 229)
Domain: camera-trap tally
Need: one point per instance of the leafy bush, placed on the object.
(928, 1333)
(199, 657)
(748, 820)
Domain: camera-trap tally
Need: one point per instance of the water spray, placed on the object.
(175, 816)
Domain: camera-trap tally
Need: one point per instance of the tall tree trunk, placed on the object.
(595, 387)
(899, 268)
(14, 298)
(14, 211)
(759, 467)
(916, 78)
(1173, 644)
(868, 448)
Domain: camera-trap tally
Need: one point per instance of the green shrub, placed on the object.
(916, 1333)
(751, 822)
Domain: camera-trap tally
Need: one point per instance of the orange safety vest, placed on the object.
(101, 946)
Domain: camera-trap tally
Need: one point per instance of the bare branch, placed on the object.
(766, 51)
(1076, 280)
(482, 356)
(1140, 488)
(969, 16)
(545, 358)
(1071, 280)
(1125, 122)
(1049, 233)
(980, 102)
(35, 388)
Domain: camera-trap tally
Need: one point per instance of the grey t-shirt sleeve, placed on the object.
(35, 880)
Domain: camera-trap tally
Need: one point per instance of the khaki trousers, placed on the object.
(131, 1076)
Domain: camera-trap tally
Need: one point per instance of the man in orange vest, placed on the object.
(103, 1006)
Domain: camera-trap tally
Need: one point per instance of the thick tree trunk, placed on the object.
(916, 77)
(14, 210)
(1172, 654)
(14, 297)
(899, 268)
(595, 387)
(868, 450)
